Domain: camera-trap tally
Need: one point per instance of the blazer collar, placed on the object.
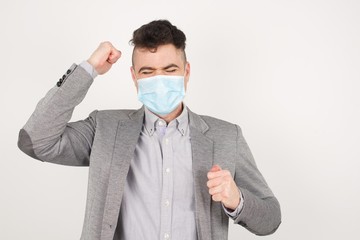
(138, 115)
(197, 122)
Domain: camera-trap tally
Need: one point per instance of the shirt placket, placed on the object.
(167, 185)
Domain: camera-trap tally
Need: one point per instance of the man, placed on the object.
(159, 172)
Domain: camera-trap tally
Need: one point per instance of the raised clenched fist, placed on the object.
(222, 187)
(104, 57)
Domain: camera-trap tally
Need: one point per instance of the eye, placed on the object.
(146, 72)
(171, 70)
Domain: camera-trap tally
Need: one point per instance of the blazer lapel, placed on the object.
(202, 158)
(127, 135)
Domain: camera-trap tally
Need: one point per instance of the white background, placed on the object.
(286, 71)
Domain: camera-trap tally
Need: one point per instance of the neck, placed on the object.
(174, 114)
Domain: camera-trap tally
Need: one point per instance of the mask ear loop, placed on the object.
(184, 76)
(184, 71)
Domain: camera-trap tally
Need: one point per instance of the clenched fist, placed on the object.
(104, 57)
(222, 187)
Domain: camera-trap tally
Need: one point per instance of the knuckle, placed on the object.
(229, 178)
(216, 198)
(106, 45)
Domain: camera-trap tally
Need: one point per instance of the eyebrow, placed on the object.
(164, 68)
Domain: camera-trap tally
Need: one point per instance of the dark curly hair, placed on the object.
(157, 33)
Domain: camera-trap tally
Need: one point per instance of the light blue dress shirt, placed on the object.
(158, 200)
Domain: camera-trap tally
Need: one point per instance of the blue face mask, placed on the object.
(161, 94)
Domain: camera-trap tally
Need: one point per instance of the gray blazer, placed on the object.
(106, 141)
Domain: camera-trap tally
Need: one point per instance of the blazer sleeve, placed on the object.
(261, 210)
(48, 135)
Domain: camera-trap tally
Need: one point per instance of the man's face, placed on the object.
(166, 60)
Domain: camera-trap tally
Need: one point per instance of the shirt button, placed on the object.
(167, 170)
(167, 203)
(161, 123)
(166, 140)
(166, 236)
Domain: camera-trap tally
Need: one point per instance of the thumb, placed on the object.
(215, 168)
(114, 56)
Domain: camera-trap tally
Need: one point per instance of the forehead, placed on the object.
(163, 56)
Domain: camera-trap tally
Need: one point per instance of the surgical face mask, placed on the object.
(161, 94)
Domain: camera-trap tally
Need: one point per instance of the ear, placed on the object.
(133, 75)
(187, 74)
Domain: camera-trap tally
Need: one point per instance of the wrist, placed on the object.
(232, 206)
(89, 69)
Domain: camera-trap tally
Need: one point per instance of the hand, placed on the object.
(222, 187)
(104, 57)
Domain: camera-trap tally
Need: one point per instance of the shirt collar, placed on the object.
(151, 120)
